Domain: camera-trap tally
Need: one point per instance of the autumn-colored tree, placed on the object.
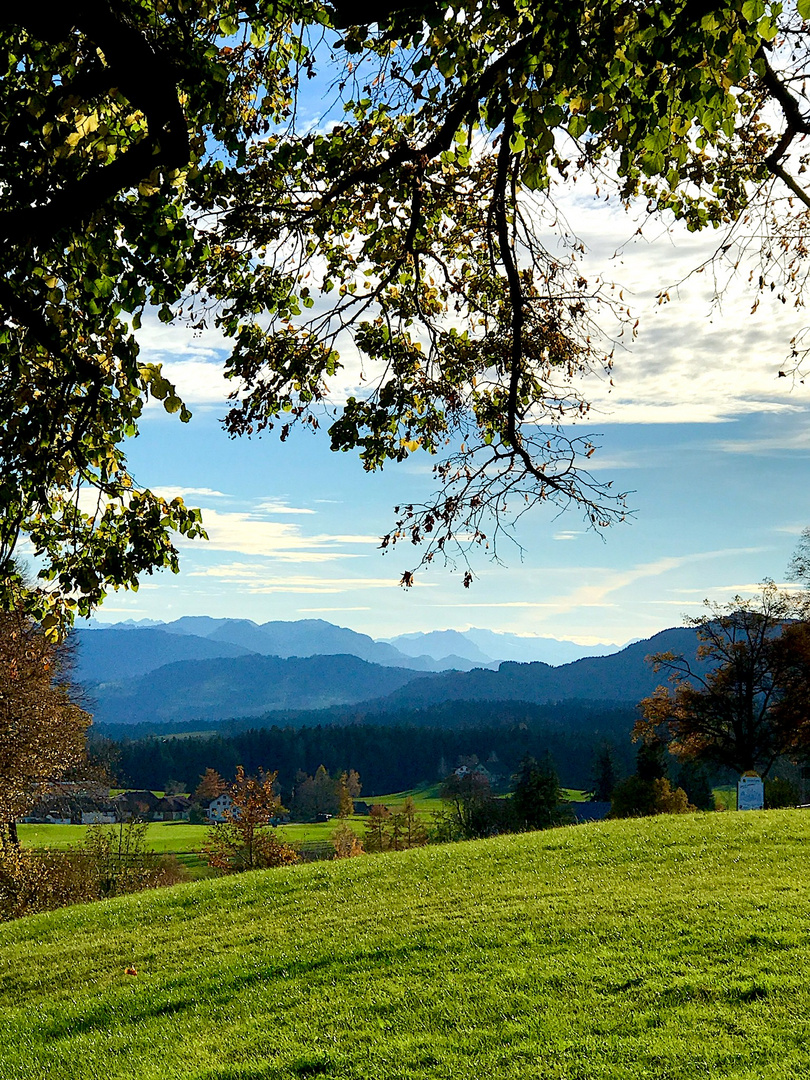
(324, 794)
(414, 833)
(648, 791)
(244, 840)
(345, 799)
(376, 838)
(210, 786)
(346, 842)
(353, 783)
(42, 728)
(741, 702)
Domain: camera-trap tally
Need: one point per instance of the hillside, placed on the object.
(622, 676)
(123, 654)
(248, 686)
(244, 686)
(665, 947)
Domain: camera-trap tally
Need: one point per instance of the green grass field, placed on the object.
(669, 948)
(173, 837)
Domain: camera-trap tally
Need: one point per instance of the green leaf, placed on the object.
(753, 10)
(577, 126)
(767, 28)
(517, 142)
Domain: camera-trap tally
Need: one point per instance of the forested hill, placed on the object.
(102, 656)
(243, 686)
(250, 686)
(623, 676)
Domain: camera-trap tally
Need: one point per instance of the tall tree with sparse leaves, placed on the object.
(740, 702)
(42, 728)
(152, 158)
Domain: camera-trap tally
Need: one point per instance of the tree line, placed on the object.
(387, 757)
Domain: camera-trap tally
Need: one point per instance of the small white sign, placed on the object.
(750, 793)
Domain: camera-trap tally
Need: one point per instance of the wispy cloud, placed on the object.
(278, 506)
(320, 609)
(169, 491)
(256, 579)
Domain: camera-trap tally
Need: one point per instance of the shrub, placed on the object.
(780, 793)
(109, 862)
(346, 842)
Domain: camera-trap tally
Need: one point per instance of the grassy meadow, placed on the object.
(665, 949)
(185, 840)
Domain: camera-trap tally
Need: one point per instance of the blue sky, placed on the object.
(711, 444)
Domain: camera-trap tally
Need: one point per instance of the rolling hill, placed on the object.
(669, 947)
(622, 676)
(244, 686)
(252, 685)
(123, 654)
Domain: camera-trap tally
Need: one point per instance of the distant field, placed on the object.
(179, 837)
(668, 948)
(161, 836)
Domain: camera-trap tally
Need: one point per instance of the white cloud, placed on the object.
(169, 491)
(278, 506)
(198, 382)
(254, 578)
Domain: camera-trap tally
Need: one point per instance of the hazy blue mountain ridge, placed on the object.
(621, 676)
(223, 688)
(123, 654)
(439, 643)
(436, 650)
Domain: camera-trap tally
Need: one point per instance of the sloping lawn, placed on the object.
(662, 949)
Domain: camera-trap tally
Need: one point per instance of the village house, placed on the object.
(172, 808)
(218, 808)
(72, 810)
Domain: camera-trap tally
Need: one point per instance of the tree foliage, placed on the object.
(471, 809)
(152, 158)
(313, 796)
(42, 728)
(397, 830)
(536, 796)
(649, 791)
(210, 786)
(604, 775)
(742, 702)
(346, 842)
(244, 840)
(392, 752)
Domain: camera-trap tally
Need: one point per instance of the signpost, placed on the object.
(750, 792)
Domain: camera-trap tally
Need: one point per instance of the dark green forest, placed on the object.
(392, 752)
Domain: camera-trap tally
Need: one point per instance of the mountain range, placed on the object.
(216, 669)
(438, 650)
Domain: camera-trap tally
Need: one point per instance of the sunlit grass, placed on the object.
(664, 949)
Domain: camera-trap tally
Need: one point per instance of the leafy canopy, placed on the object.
(743, 703)
(152, 158)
